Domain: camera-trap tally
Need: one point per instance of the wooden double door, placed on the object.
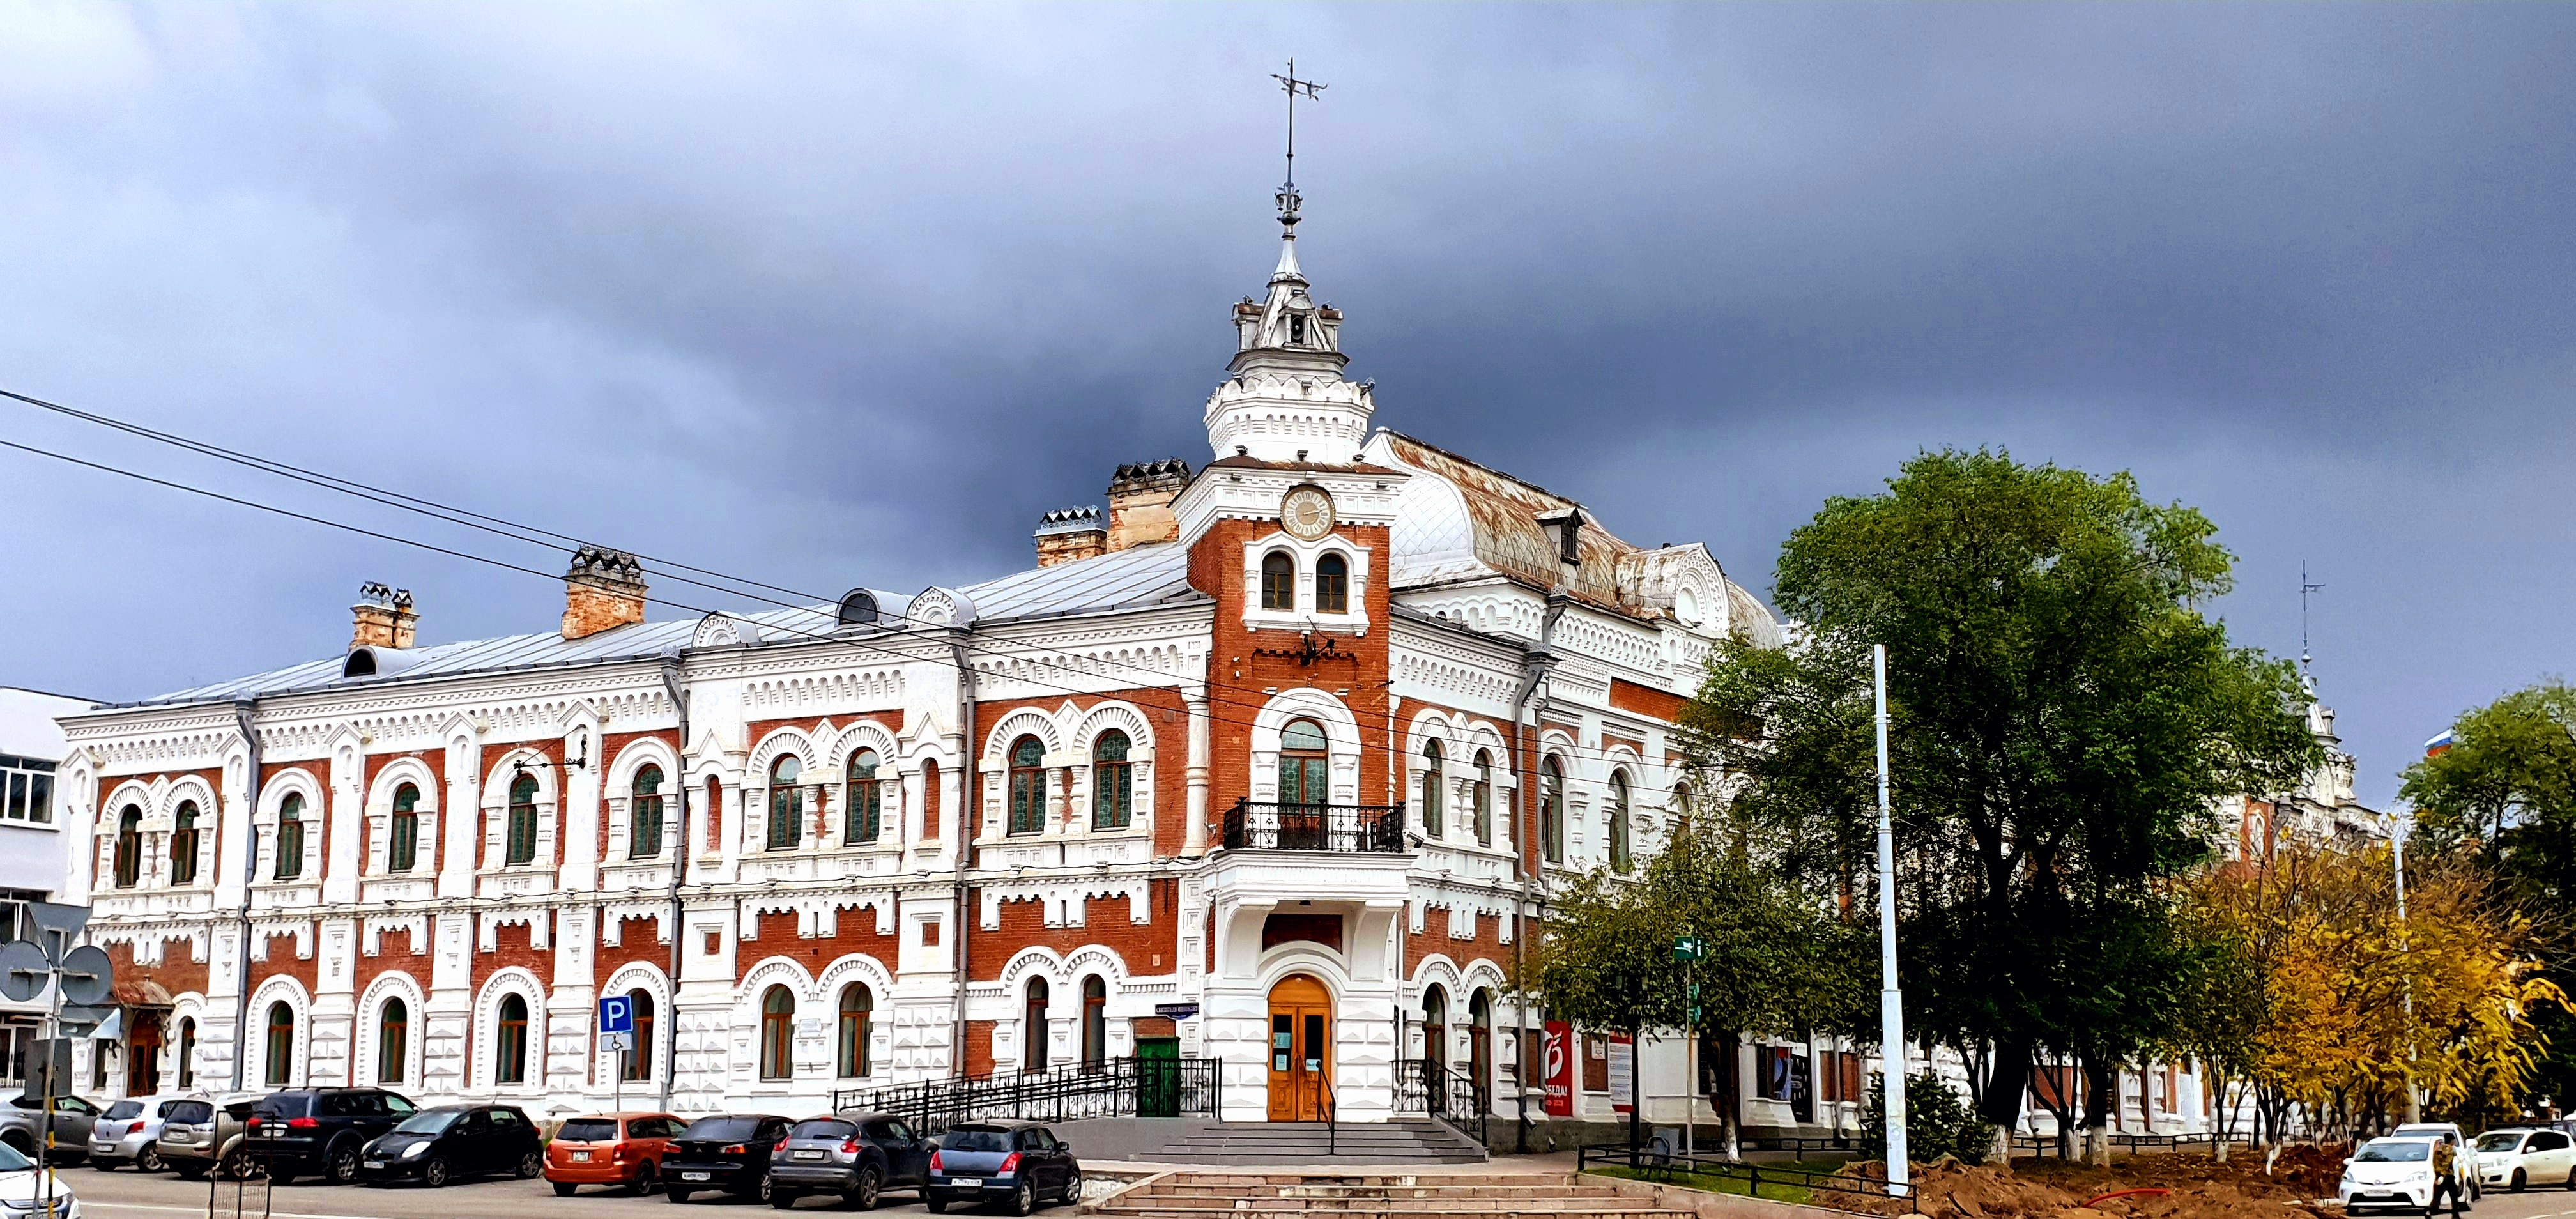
(1301, 1049)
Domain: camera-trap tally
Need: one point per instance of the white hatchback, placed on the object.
(2516, 1157)
(2388, 1171)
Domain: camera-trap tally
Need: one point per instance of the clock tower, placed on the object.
(1289, 532)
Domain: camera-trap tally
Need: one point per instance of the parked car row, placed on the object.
(349, 1135)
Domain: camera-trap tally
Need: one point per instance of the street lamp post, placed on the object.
(1891, 1000)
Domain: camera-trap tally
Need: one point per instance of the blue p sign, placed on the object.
(617, 1014)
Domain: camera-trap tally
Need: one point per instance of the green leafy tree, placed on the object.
(2065, 719)
(2505, 792)
(1773, 958)
(1938, 1121)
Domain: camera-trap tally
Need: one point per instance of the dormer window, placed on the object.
(1296, 328)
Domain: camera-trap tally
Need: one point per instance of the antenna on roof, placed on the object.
(2305, 587)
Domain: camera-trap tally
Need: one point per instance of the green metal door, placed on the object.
(1158, 1077)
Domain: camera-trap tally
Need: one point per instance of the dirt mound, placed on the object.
(2198, 1187)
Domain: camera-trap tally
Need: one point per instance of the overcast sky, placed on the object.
(831, 294)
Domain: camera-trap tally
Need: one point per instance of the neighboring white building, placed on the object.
(34, 859)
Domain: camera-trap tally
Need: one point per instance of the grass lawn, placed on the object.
(1730, 1180)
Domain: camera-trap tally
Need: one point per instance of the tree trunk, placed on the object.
(2101, 1091)
(2000, 1103)
(1731, 1082)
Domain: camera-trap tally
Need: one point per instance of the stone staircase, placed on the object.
(1209, 1195)
(1424, 1141)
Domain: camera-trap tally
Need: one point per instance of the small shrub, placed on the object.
(1938, 1121)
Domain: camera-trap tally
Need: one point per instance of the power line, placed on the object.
(681, 605)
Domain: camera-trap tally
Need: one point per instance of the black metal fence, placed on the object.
(2042, 1146)
(1351, 829)
(1429, 1088)
(1784, 1184)
(1119, 1087)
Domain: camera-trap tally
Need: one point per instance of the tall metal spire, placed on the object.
(1288, 199)
(2304, 658)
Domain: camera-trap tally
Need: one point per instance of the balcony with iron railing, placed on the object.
(1345, 829)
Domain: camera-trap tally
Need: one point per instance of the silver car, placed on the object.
(130, 1131)
(22, 1126)
(196, 1145)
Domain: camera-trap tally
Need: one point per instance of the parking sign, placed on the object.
(616, 1014)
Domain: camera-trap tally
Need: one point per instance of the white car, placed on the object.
(2466, 1151)
(2388, 1171)
(23, 1190)
(2518, 1156)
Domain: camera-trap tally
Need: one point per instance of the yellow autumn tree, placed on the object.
(2355, 1003)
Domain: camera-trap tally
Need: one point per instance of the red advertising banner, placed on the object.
(1560, 1069)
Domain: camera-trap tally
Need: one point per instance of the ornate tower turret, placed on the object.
(1285, 398)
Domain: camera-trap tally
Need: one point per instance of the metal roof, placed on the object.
(1128, 579)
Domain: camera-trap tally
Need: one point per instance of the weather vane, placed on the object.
(1295, 89)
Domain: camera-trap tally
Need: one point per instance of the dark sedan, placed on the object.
(852, 1156)
(451, 1142)
(1014, 1163)
(726, 1151)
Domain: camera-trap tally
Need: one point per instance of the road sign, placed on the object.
(1176, 1011)
(24, 970)
(1689, 948)
(617, 1014)
(63, 921)
(87, 975)
(617, 1041)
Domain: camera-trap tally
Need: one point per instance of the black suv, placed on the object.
(304, 1130)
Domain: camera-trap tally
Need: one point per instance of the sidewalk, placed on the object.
(1137, 1170)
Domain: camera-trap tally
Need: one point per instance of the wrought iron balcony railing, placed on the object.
(1344, 828)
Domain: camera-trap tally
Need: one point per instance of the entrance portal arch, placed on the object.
(1301, 1048)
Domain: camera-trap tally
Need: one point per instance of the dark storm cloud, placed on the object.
(826, 295)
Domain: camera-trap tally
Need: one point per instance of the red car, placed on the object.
(623, 1149)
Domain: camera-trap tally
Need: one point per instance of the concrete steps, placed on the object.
(1408, 1141)
(1429, 1195)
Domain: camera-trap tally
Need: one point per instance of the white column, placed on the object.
(1194, 835)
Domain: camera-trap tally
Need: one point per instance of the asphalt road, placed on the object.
(126, 1194)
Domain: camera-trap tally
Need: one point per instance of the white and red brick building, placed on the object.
(1304, 732)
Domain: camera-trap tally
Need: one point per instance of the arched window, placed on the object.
(1435, 1025)
(187, 1051)
(1619, 821)
(1034, 1023)
(523, 821)
(404, 848)
(281, 1044)
(393, 1040)
(1028, 786)
(1551, 810)
(777, 1022)
(786, 803)
(1278, 581)
(638, 1062)
(1113, 784)
(1095, 1023)
(129, 847)
(1484, 797)
(644, 815)
(290, 837)
(1681, 804)
(1332, 585)
(183, 844)
(1432, 781)
(863, 803)
(1304, 764)
(858, 1008)
(1480, 1037)
(510, 1042)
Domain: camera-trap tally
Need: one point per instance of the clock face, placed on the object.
(1307, 513)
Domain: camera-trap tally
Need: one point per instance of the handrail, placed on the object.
(1459, 1102)
(1332, 1133)
(1117, 1087)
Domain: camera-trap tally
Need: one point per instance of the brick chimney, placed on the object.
(385, 617)
(604, 590)
(1067, 534)
(1140, 502)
